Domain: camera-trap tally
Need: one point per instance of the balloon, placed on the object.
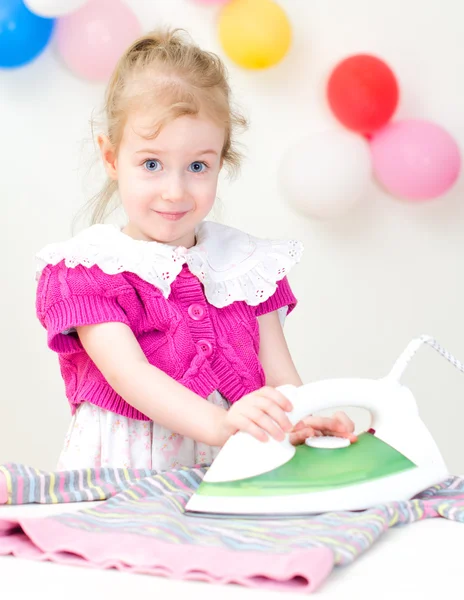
(326, 174)
(53, 8)
(23, 35)
(415, 160)
(255, 34)
(363, 93)
(92, 39)
(218, 2)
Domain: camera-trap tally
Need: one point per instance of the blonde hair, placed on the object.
(166, 70)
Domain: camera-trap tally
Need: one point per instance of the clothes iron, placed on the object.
(394, 461)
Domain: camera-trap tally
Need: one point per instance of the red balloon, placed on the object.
(363, 93)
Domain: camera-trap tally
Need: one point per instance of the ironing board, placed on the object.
(418, 561)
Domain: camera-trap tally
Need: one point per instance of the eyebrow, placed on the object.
(155, 151)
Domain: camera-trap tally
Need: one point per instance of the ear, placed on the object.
(108, 154)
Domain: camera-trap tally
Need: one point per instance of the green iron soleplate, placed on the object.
(316, 470)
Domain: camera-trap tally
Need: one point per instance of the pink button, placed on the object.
(205, 347)
(196, 312)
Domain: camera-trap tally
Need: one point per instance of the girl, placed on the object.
(168, 331)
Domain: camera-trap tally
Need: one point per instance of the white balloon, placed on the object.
(326, 174)
(53, 8)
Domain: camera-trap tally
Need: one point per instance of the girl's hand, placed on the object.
(261, 413)
(339, 425)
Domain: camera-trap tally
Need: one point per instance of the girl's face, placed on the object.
(167, 184)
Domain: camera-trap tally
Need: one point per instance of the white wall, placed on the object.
(368, 283)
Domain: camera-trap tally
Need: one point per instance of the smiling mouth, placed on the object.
(171, 216)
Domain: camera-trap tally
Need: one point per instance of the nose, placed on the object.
(174, 189)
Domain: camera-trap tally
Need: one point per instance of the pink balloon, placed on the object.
(92, 39)
(415, 160)
(218, 2)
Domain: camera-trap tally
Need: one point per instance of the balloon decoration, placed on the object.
(23, 35)
(53, 8)
(415, 160)
(363, 93)
(255, 34)
(326, 174)
(91, 39)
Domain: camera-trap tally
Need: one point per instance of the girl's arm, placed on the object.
(274, 353)
(117, 354)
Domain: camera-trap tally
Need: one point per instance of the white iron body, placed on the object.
(395, 419)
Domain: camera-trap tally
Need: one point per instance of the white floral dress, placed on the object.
(99, 438)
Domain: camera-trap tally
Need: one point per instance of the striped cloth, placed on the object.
(147, 531)
(20, 484)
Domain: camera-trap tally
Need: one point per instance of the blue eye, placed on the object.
(197, 167)
(152, 165)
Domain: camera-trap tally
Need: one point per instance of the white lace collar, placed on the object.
(231, 264)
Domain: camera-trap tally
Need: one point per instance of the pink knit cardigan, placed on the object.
(203, 347)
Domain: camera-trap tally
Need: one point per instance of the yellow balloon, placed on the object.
(255, 34)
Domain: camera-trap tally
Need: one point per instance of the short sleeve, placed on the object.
(71, 297)
(283, 297)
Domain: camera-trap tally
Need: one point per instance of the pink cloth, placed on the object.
(303, 570)
(142, 527)
(203, 347)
